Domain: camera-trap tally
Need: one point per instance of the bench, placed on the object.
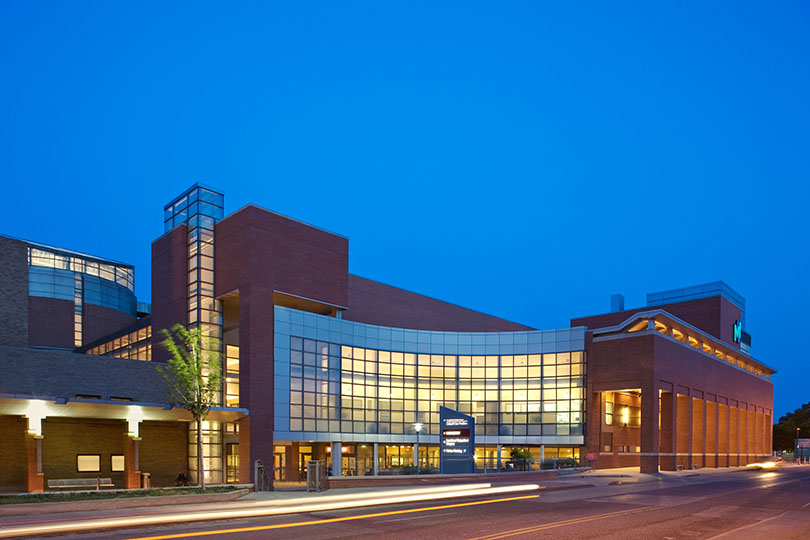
(95, 483)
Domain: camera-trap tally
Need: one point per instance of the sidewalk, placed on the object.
(632, 475)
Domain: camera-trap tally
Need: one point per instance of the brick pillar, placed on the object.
(759, 418)
(753, 437)
(683, 440)
(256, 369)
(698, 432)
(768, 434)
(35, 479)
(669, 431)
(132, 473)
(292, 470)
(649, 429)
(743, 422)
(722, 434)
(245, 465)
(734, 436)
(711, 434)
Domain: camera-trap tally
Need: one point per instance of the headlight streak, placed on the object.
(370, 499)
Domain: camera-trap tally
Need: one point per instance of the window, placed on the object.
(88, 463)
(116, 463)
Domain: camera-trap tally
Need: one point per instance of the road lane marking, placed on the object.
(330, 520)
(260, 511)
(515, 532)
(734, 532)
(806, 505)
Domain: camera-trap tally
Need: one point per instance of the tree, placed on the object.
(521, 456)
(784, 432)
(193, 377)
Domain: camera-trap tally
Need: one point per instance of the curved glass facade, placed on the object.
(56, 274)
(341, 380)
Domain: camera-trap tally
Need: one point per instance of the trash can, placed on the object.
(146, 479)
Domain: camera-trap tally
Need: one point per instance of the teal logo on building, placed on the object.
(737, 331)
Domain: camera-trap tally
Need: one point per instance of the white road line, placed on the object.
(806, 505)
(734, 532)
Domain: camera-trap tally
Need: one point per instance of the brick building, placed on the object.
(316, 359)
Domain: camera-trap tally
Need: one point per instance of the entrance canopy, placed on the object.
(43, 407)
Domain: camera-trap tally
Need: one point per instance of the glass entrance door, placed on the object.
(232, 463)
(279, 462)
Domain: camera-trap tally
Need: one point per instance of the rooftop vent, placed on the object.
(616, 303)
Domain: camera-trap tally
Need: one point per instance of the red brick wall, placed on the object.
(259, 252)
(12, 454)
(256, 246)
(101, 321)
(50, 322)
(13, 292)
(372, 302)
(169, 286)
(163, 451)
(653, 361)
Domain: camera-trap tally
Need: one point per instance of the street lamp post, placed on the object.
(417, 427)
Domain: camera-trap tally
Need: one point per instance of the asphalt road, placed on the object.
(744, 505)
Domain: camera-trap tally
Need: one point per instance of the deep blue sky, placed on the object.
(523, 159)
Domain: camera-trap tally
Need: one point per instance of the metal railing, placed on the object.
(262, 481)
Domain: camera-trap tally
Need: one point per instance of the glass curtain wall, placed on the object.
(200, 209)
(341, 389)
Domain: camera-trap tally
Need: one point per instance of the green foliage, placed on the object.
(784, 433)
(559, 463)
(520, 453)
(193, 373)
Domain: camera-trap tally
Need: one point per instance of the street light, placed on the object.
(417, 427)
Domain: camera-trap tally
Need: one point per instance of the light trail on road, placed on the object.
(329, 520)
(373, 499)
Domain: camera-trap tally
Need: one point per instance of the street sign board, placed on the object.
(457, 437)
(803, 443)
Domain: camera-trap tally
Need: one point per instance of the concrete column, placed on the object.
(734, 436)
(683, 440)
(669, 431)
(649, 429)
(698, 432)
(542, 452)
(337, 459)
(375, 460)
(498, 456)
(416, 455)
(723, 434)
(132, 473)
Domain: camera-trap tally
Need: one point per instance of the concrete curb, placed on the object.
(27, 509)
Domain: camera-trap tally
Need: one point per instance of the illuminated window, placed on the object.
(88, 463)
